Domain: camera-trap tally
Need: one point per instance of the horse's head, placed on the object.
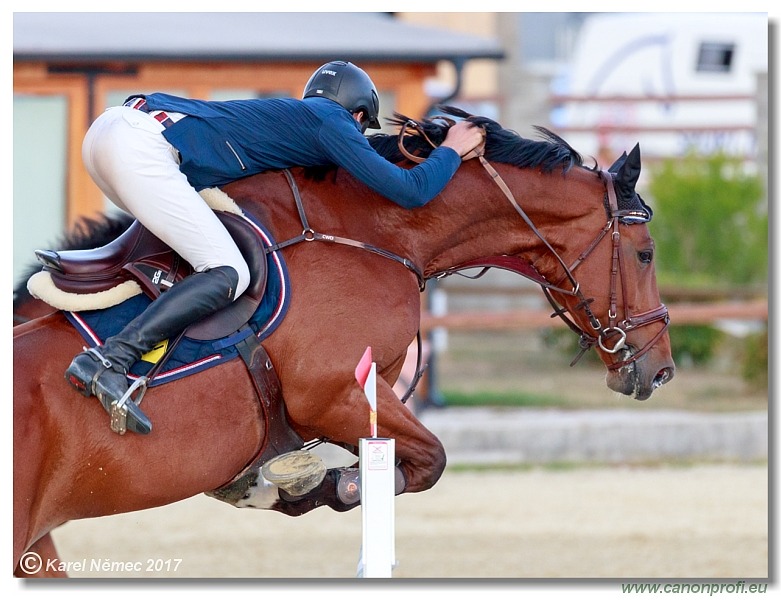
(617, 308)
(598, 272)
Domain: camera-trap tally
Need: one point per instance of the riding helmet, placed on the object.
(349, 86)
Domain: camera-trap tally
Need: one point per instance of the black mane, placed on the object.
(502, 145)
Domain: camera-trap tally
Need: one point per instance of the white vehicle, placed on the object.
(676, 82)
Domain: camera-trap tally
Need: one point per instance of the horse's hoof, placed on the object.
(297, 472)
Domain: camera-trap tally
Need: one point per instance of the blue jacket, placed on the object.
(221, 141)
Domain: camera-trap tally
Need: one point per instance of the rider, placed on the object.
(152, 155)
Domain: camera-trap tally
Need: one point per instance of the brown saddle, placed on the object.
(140, 256)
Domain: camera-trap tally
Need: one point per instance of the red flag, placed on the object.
(364, 366)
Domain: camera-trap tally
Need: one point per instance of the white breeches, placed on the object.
(138, 170)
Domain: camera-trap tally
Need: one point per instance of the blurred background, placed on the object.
(692, 89)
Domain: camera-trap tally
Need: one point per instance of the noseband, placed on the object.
(610, 338)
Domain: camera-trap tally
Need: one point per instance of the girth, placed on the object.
(278, 436)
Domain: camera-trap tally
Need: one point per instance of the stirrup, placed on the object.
(118, 408)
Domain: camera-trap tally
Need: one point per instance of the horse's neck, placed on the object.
(482, 222)
(471, 219)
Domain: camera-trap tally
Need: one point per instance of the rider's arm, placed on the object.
(409, 188)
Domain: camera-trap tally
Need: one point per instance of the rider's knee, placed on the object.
(244, 278)
(233, 279)
(240, 275)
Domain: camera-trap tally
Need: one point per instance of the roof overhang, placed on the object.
(79, 37)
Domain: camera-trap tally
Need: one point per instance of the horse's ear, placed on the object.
(629, 171)
(617, 165)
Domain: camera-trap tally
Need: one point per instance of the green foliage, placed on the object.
(755, 360)
(710, 222)
(490, 398)
(710, 226)
(568, 344)
(694, 344)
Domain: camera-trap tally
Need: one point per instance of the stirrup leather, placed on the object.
(101, 359)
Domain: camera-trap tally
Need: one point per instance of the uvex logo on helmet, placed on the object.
(349, 86)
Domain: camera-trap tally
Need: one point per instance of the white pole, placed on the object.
(378, 547)
(377, 484)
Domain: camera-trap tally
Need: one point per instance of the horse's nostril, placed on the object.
(663, 377)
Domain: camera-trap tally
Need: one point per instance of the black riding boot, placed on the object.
(102, 371)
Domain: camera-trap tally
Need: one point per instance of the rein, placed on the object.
(587, 340)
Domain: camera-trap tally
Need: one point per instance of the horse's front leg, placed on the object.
(344, 417)
(420, 455)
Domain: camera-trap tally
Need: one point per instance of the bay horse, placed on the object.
(530, 206)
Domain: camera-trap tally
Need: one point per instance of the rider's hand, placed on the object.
(463, 137)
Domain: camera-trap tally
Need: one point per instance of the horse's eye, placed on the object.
(645, 256)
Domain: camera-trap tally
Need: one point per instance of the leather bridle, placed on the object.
(610, 338)
(614, 328)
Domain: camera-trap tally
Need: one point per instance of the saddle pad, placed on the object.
(192, 356)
